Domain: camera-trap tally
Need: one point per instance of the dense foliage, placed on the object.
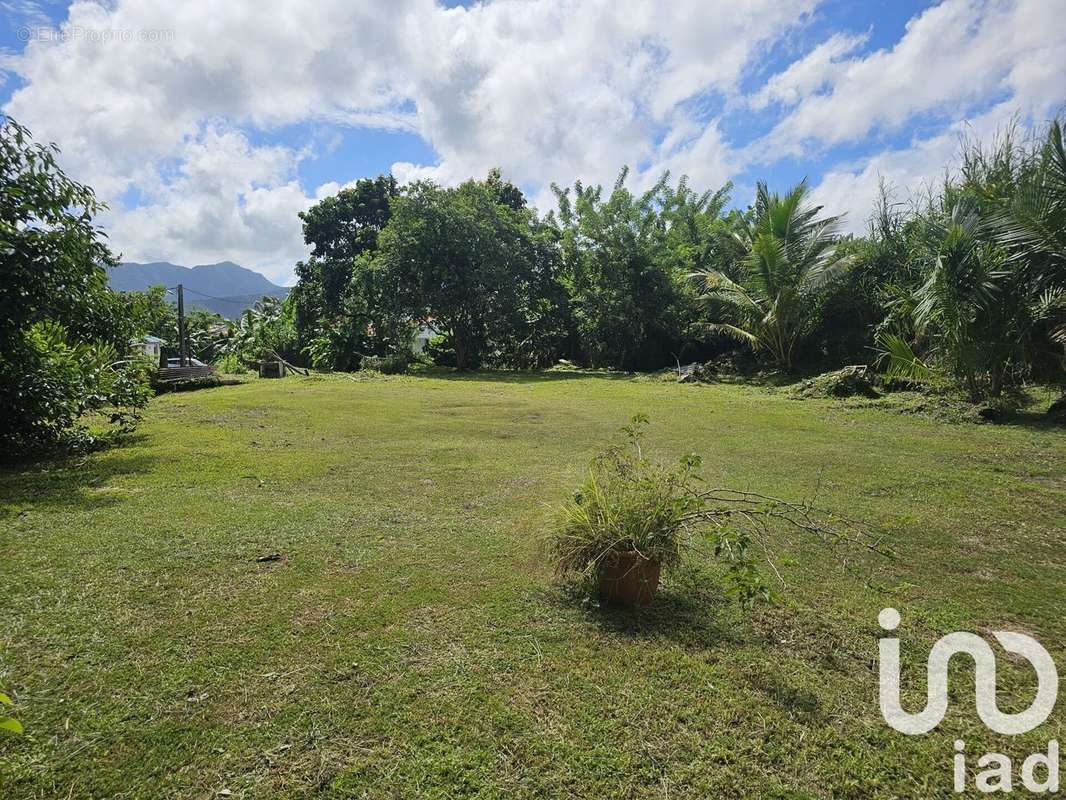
(783, 252)
(341, 309)
(474, 262)
(63, 334)
(964, 288)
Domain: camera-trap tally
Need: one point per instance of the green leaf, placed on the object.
(9, 724)
(5, 699)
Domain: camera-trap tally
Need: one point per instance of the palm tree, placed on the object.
(784, 252)
(956, 306)
(255, 333)
(1034, 222)
(1033, 227)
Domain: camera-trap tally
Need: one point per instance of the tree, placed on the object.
(784, 253)
(992, 277)
(336, 295)
(1032, 226)
(152, 314)
(471, 260)
(960, 290)
(1034, 219)
(262, 332)
(54, 258)
(621, 270)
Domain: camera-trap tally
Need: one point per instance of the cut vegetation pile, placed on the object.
(854, 381)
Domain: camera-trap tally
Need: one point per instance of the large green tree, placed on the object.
(624, 261)
(475, 262)
(337, 297)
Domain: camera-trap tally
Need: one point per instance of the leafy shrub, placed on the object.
(393, 364)
(440, 351)
(230, 364)
(50, 384)
(626, 503)
(8, 723)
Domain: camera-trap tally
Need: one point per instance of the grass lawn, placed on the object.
(411, 641)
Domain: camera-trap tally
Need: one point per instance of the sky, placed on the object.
(208, 126)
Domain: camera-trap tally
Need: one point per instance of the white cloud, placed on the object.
(952, 58)
(911, 172)
(853, 188)
(551, 90)
(810, 73)
(548, 90)
(175, 100)
(228, 199)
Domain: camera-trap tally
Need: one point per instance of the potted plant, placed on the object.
(633, 517)
(627, 520)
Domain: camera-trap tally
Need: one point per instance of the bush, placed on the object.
(230, 364)
(393, 364)
(51, 384)
(626, 503)
(440, 351)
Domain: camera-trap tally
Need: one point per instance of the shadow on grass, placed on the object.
(521, 376)
(690, 610)
(1033, 420)
(68, 482)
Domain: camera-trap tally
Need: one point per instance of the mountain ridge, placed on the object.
(225, 288)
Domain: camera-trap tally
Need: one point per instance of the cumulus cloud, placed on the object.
(172, 110)
(952, 58)
(226, 198)
(548, 90)
(911, 172)
(810, 73)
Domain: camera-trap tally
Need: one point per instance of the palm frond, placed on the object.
(902, 362)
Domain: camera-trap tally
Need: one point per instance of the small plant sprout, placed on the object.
(9, 723)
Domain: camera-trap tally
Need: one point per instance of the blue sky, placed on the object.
(208, 127)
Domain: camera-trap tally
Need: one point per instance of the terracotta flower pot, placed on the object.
(628, 579)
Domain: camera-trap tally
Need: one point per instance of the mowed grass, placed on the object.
(411, 641)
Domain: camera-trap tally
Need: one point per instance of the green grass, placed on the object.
(412, 642)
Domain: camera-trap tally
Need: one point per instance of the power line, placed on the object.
(219, 299)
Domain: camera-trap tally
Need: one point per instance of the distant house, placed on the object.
(150, 346)
(421, 337)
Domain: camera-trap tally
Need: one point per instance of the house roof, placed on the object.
(152, 340)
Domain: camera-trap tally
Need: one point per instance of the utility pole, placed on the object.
(181, 326)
